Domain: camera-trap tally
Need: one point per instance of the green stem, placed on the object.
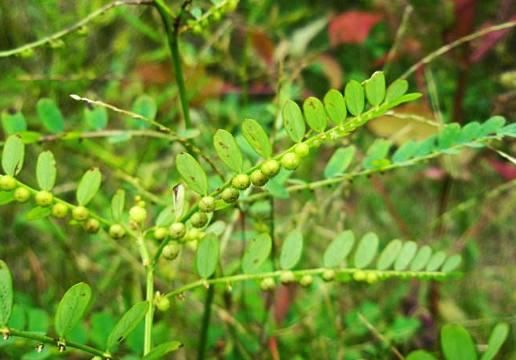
(149, 293)
(53, 341)
(203, 341)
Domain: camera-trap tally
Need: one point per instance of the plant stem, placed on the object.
(149, 293)
(203, 341)
(52, 341)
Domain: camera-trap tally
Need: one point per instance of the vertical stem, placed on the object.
(149, 294)
(203, 341)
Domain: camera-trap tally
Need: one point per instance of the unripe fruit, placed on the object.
(241, 181)
(80, 213)
(199, 219)
(43, 198)
(177, 230)
(290, 161)
(116, 231)
(91, 226)
(258, 178)
(360, 275)
(59, 210)
(267, 284)
(371, 277)
(230, 195)
(137, 214)
(7, 183)
(21, 195)
(162, 303)
(306, 280)
(302, 150)
(328, 275)
(207, 204)
(270, 168)
(171, 250)
(160, 233)
(287, 277)
(193, 235)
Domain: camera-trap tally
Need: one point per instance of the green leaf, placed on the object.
(291, 250)
(37, 213)
(366, 250)
(335, 106)
(354, 95)
(389, 254)
(420, 355)
(257, 137)
(6, 294)
(145, 106)
(452, 263)
(6, 197)
(13, 122)
(470, 132)
(117, 204)
(228, 150)
(339, 162)
(166, 216)
(192, 173)
(46, 171)
(457, 343)
(256, 253)
(50, 115)
(96, 117)
(376, 156)
(207, 256)
(293, 121)
(161, 350)
(88, 186)
(425, 147)
(402, 99)
(396, 90)
(509, 130)
(375, 88)
(405, 152)
(436, 261)
(496, 340)
(315, 114)
(449, 136)
(38, 321)
(492, 125)
(127, 324)
(71, 308)
(405, 256)
(13, 155)
(421, 259)
(339, 249)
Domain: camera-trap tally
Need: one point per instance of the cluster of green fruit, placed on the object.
(201, 21)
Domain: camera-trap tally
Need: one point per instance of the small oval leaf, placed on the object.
(339, 162)
(117, 204)
(192, 173)
(257, 137)
(421, 259)
(436, 261)
(228, 150)
(50, 115)
(405, 256)
(366, 250)
(375, 88)
(13, 155)
(46, 171)
(256, 253)
(496, 340)
(293, 121)
(71, 308)
(13, 122)
(207, 256)
(315, 114)
(339, 249)
(354, 95)
(161, 350)
(291, 250)
(452, 263)
(127, 324)
(389, 254)
(457, 344)
(88, 186)
(396, 90)
(335, 106)
(6, 294)
(420, 355)
(96, 118)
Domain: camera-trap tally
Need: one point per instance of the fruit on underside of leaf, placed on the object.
(241, 182)
(21, 195)
(80, 213)
(230, 195)
(43, 198)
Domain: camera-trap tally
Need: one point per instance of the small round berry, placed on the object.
(207, 204)
(80, 213)
(162, 303)
(267, 284)
(270, 168)
(171, 250)
(258, 178)
(287, 277)
(91, 226)
(360, 275)
(21, 194)
(199, 219)
(306, 280)
(116, 231)
(177, 230)
(290, 161)
(316, 143)
(230, 195)
(137, 214)
(302, 150)
(194, 235)
(59, 210)
(241, 181)
(7, 183)
(44, 198)
(328, 275)
(371, 277)
(160, 233)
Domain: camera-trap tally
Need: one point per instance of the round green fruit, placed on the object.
(59, 210)
(258, 178)
(171, 250)
(270, 168)
(116, 231)
(287, 277)
(207, 204)
(302, 150)
(267, 284)
(199, 219)
(230, 195)
(21, 194)
(80, 213)
(290, 161)
(7, 183)
(43, 198)
(177, 230)
(328, 275)
(91, 226)
(137, 214)
(306, 280)
(241, 181)
(160, 233)
(162, 303)
(194, 235)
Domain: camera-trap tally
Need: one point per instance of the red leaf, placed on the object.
(352, 27)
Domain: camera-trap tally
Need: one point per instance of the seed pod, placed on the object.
(230, 195)
(290, 161)
(80, 213)
(59, 210)
(328, 275)
(177, 230)
(171, 250)
(116, 231)
(43, 198)
(267, 284)
(21, 194)
(137, 214)
(287, 277)
(207, 204)
(302, 150)
(258, 178)
(91, 226)
(7, 183)
(199, 219)
(306, 280)
(160, 233)
(241, 181)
